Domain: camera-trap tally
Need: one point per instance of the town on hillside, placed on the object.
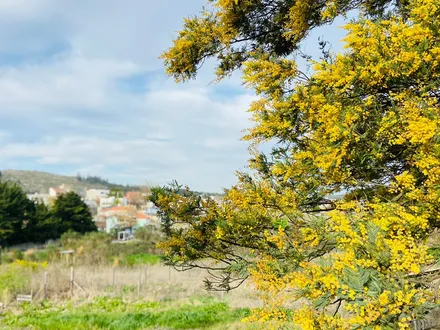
(112, 211)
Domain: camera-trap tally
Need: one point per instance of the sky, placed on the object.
(82, 91)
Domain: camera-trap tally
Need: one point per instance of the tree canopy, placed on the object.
(365, 123)
(15, 210)
(237, 31)
(71, 213)
(23, 221)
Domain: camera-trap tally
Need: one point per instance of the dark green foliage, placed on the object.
(15, 211)
(40, 227)
(22, 221)
(71, 213)
(97, 180)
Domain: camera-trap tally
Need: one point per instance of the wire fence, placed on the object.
(152, 282)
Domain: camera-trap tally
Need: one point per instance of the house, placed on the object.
(117, 210)
(142, 220)
(107, 202)
(135, 198)
(116, 217)
(93, 207)
(111, 223)
(56, 192)
(96, 194)
(151, 209)
(101, 225)
(39, 198)
(66, 188)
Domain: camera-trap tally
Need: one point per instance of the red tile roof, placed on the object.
(117, 209)
(133, 194)
(141, 215)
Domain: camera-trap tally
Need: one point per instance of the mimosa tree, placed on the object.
(365, 124)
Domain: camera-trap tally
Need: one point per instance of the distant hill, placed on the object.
(35, 181)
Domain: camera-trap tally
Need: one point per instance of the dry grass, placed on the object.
(158, 283)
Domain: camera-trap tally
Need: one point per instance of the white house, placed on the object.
(55, 192)
(94, 194)
(39, 198)
(107, 202)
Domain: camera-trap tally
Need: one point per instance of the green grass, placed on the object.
(142, 259)
(114, 313)
(435, 252)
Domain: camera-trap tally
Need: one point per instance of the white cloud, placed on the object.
(69, 109)
(66, 82)
(20, 7)
(161, 135)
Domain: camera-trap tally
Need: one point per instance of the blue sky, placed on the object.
(82, 90)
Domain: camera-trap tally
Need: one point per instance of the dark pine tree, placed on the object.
(15, 211)
(41, 226)
(71, 213)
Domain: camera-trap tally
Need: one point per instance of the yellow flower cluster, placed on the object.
(368, 123)
(33, 265)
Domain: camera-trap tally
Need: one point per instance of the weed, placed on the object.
(142, 259)
(115, 313)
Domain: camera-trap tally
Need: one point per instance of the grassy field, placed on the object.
(112, 299)
(117, 313)
(120, 286)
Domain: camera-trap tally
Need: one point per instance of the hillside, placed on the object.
(35, 181)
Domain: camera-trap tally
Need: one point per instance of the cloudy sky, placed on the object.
(82, 90)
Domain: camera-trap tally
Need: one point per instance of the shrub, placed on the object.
(11, 256)
(142, 259)
(15, 278)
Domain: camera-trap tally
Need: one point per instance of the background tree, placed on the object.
(117, 192)
(70, 213)
(15, 210)
(366, 121)
(41, 226)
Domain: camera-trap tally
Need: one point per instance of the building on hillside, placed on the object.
(217, 198)
(66, 187)
(93, 207)
(150, 208)
(96, 194)
(101, 225)
(152, 211)
(142, 220)
(56, 192)
(111, 223)
(125, 217)
(39, 198)
(135, 198)
(116, 217)
(107, 202)
(80, 192)
(118, 210)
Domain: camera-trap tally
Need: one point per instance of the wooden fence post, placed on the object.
(72, 280)
(114, 276)
(45, 285)
(146, 276)
(139, 284)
